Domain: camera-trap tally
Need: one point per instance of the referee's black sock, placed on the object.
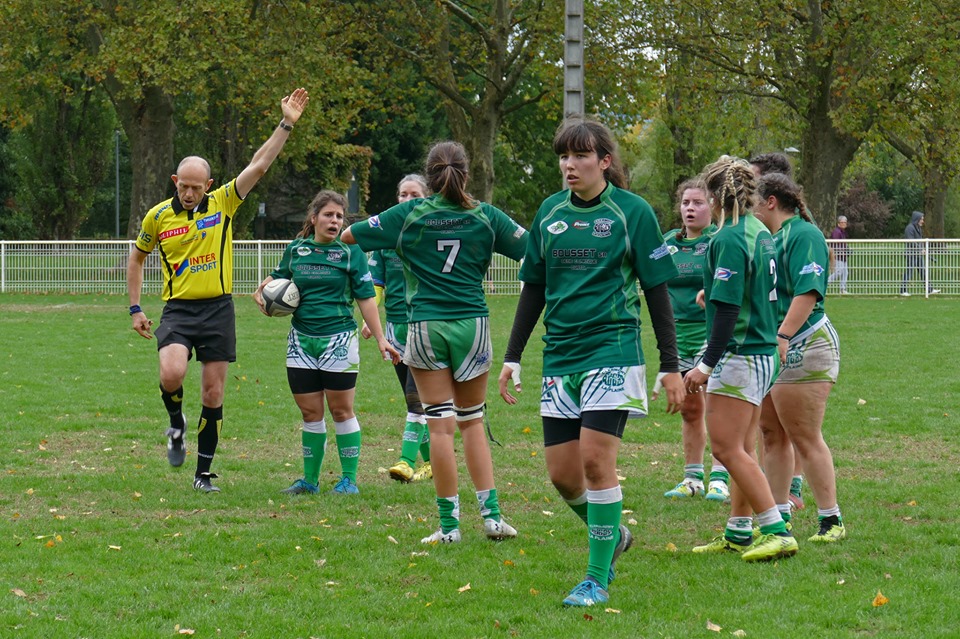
(173, 402)
(211, 421)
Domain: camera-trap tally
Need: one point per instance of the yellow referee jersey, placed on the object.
(196, 247)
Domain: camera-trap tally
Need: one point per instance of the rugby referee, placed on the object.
(194, 233)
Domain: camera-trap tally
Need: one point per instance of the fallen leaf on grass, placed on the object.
(533, 453)
(840, 582)
(18, 592)
(186, 631)
(912, 502)
(587, 616)
(507, 562)
(50, 544)
(672, 547)
(613, 611)
(712, 626)
(463, 588)
(114, 547)
(739, 633)
(392, 540)
(861, 402)
(534, 592)
(547, 513)
(526, 431)
(632, 521)
(880, 600)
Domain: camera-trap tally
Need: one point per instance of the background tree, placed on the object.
(475, 55)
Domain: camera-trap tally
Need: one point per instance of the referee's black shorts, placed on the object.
(207, 326)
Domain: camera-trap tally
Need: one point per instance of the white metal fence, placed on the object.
(874, 267)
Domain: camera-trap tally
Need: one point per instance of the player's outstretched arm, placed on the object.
(292, 106)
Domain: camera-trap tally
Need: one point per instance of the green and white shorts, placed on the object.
(612, 388)
(338, 353)
(397, 336)
(462, 345)
(813, 356)
(745, 377)
(691, 343)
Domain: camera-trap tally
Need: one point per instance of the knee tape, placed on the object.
(439, 411)
(472, 412)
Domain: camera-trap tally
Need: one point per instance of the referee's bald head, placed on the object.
(191, 160)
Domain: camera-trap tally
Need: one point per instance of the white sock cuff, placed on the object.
(414, 418)
(315, 427)
(605, 496)
(769, 517)
(784, 508)
(347, 427)
(829, 512)
(577, 501)
(716, 466)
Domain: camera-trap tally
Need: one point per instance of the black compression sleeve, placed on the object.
(661, 316)
(724, 322)
(533, 298)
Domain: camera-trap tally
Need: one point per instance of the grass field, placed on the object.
(101, 538)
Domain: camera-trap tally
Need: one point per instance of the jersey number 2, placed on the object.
(454, 246)
(773, 272)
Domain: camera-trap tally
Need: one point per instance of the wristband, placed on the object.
(135, 309)
(703, 368)
(286, 127)
(782, 336)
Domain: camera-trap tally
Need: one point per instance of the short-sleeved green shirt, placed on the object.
(386, 267)
(690, 257)
(802, 266)
(330, 276)
(742, 270)
(590, 260)
(446, 251)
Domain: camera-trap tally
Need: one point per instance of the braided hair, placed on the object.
(731, 186)
(789, 194)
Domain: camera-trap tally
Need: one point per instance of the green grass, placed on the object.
(101, 538)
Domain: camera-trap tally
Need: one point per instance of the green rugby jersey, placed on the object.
(330, 276)
(386, 267)
(446, 251)
(590, 260)
(802, 266)
(690, 257)
(742, 270)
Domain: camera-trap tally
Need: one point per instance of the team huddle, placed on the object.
(735, 299)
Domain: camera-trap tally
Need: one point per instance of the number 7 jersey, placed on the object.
(446, 251)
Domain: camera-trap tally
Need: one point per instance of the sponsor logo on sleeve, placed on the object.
(209, 221)
(557, 227)
(723, 274)
(661, 251)
(812, 267)
(366, 277)
(601, 227)
(519, 232)
(374, 222)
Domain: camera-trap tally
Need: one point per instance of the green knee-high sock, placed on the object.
(314, 438)
(489, 504)
(424, 440)
(579, 506)
(348, 445)
(449, 508)
(603, 523)
(411, 440)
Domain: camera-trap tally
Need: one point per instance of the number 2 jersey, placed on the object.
(742, 270)
(590, 260)
(446, 251)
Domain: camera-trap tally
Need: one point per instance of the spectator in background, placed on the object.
(914, 254)
(838, 254)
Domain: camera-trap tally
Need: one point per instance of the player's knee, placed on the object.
(469, 413)
(439, 411)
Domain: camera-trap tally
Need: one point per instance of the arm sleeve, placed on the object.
(724, 323)
(533, 298)
(661, 316)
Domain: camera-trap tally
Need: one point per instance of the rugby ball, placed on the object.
(280, 297)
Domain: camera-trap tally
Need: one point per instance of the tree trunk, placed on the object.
(824, 155)
(149, 126)
(480, 147)
(935, 187)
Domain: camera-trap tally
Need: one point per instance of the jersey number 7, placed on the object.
(454, 246)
